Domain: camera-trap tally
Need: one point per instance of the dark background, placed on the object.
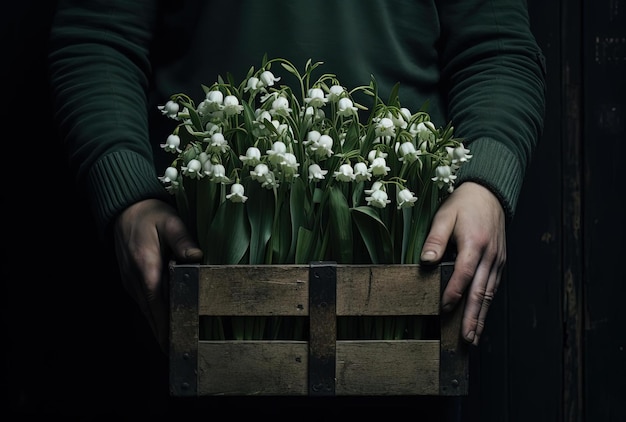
(553, 350)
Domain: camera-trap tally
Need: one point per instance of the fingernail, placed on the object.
(470, 336)
(428, 255)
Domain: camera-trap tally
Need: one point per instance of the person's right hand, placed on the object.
(147, 234)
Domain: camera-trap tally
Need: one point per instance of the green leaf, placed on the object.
(374, 233)
(207, 196)
(304, 247)
(423, 213)
(229, 234)
(340, 226)
(298, 205)
(260, 207)
(195, 119)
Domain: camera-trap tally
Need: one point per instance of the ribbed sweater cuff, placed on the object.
(496, 167)
(117, 181)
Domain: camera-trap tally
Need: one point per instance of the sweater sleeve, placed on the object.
(99, 76)
(494, 75)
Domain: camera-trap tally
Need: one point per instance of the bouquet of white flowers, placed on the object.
(266, 173)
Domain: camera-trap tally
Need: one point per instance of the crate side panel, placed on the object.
(252, 368)
(238, 290)
(398, 367)
(388, 290)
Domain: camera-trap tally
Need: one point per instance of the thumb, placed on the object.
(183, 246)
(438, 237)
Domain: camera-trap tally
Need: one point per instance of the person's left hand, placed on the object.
(472, 219)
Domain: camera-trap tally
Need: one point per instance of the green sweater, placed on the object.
(113, 61)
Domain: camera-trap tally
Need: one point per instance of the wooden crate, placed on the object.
(321, 365)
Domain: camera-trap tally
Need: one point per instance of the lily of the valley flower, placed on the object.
(218, 174)
(345, 173)
(346, 107)
(316, 172)
(252, 157)
(378, 198)
(379, 167)
(405, 198)
(316, 98)
(443, 176)
(237, 193)
(267, 78)
(280, 106)
(231, 106)
(172, 144)
(361, 172)
(458, 155)
(170, 109)
(407, 152)
(193, 169)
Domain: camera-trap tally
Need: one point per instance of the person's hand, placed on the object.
(472, 219)
(147, 234)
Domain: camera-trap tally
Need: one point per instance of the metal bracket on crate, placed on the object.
(454, 375)
(184, 323)
(322, 328)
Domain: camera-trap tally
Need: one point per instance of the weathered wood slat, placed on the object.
(284, 290)
(408, 367)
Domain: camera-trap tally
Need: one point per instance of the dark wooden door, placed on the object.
(556, 334)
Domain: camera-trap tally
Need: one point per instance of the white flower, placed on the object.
(283, 130)
(213, 101)
(170, 179)
(335, 93)
(170, 109)
(289, 165)
(443, 176)
(252, 157)
(314, 115)
(218, 174)
(324, 147)
(403, 118)
(315, 98)
(277, 152)
(236, 193)
(207, 168)
(407, 152)
(459, 154)
(268, 78)
(316, 172)
(170, 175)
(375, 153)
(379, 167)
(346, 108)
(424, 131)
(377, 185)
(312, 137)
(253, 84)
(361, 172)
(263, 116)
(218, 144)
(172, 144)
(280, 106)
(345, 173)
(231, 106)
(193, 169)
(378, 199)
(260, 172)
(405, 198)
(385, 127)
